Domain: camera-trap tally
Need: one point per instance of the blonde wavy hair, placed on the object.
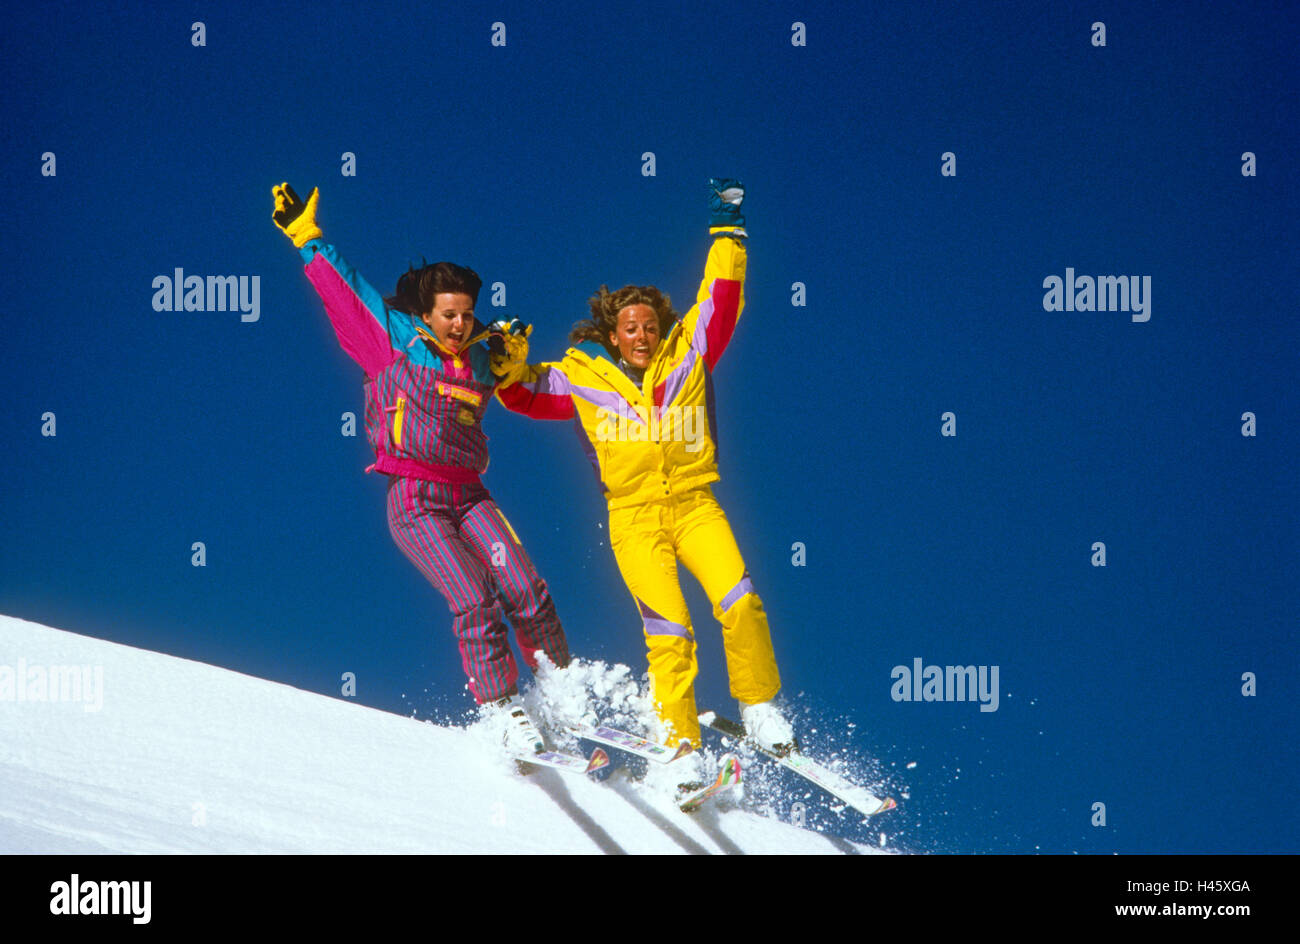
(605, 306)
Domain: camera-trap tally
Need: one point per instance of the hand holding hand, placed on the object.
(508, 345)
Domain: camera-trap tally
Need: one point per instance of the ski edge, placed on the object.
(735, 729)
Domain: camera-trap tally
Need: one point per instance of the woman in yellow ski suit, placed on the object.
(639, 385)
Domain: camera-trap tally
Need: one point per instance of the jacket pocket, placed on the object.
(395, 425)
(475, 400)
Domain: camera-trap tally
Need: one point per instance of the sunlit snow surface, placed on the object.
(175, 756)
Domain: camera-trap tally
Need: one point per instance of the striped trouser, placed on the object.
(460, 541)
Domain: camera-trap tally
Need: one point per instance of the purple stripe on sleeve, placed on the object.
(699, 341)
(602, 398)
(549, 380)
(674, 381)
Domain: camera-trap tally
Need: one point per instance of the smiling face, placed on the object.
(637, 335)
(451, 320)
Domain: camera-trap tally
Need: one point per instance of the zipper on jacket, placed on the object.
(398, 412)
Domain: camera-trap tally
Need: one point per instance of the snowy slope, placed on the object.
(139, 752)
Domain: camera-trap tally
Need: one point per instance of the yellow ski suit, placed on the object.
(655, 450)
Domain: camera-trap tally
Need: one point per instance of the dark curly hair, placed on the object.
(416, 289)
(605, 306)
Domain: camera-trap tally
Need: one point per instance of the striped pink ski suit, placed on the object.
(424, 410)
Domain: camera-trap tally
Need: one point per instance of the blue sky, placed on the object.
(1119, 685)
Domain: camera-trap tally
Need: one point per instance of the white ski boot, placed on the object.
(520, 735)
(765, 724)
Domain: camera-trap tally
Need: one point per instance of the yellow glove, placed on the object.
(297, 219)
(509, 347)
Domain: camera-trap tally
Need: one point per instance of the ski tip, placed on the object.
(887, 804)
(682, 750)
(730, 772)
(728, 776)
(598, 760)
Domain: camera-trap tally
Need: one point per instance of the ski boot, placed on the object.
(519, 734)
(766, 726)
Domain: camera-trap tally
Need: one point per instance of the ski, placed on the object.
(569, 763)
(632, 743)
(860, 798)
(728, 776)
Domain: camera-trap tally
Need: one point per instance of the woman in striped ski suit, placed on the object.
(429, 377)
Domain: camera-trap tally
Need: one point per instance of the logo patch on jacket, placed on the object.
(466, 417)
(460, 393)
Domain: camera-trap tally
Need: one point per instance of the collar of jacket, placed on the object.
(456, 356)
(593, 357)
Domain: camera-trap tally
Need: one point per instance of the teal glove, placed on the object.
(725, 196)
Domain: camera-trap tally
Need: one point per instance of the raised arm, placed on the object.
(712, 320)
(369, 332)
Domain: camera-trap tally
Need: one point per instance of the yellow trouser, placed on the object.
(648, 540)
